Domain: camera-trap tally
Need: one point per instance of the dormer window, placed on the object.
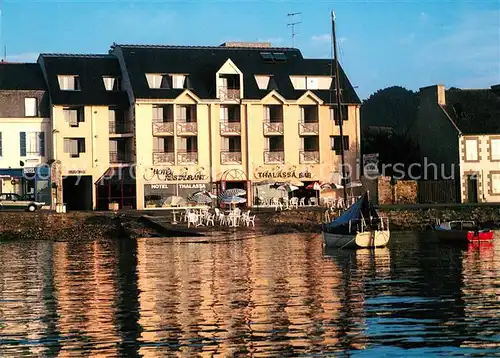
(157, 80)
(68, 82)
(110, 83)
(311, 82)
(178, 81)
(262, 81)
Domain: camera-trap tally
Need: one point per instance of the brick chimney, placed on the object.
(246, 44)
(435, 94)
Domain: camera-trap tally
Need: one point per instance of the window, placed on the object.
(74, 146)
(163, 144)
(343, 112)
(335, 143)
(110, 83)
(273, 113)
(275, 144)
(229, 113)
(231, 144)
(279, 56)
(73, 115)
(178, 81)
(163, 113)
(30, 107)
(495, 149)
(495, 183)
(267, 56)
(186, 113)
(68, 83)
(308, 114)
(471, 152)
(156, 80)
(32, 144)
(310, 143)
(311, 82)
(262, 81)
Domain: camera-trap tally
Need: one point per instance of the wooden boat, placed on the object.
(462, 232)
(358, 227)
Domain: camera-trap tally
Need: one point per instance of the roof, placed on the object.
(202, 63)
(90, 69)
(474, 111)
(21, 76)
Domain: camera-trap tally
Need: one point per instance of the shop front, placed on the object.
(32, 182)
(162, 183)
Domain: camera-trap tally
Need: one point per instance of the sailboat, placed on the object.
(359, 226)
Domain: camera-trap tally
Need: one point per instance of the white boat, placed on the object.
(358, 227)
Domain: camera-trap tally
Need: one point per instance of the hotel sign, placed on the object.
(167, 174)
(282, 173)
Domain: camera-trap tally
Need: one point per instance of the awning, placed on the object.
(16, 173)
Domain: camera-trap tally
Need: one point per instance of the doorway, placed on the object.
(472, 188)
(77, 192)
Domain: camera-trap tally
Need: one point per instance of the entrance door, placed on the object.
(472, 188)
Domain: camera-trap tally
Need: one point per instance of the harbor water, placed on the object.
(253, 296)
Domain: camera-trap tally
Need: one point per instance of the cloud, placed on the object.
(321, 38)
(423, 16)
(23, 57)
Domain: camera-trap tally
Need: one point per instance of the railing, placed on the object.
(187, 158)
(190, 128)
(309, 128)
(163, 127)
(120, 127)
(273, 127)
(120, 157)
(227, 157)
(163, 158)
(230, 128)
(229, 94)
(309, 156)
(272, 157)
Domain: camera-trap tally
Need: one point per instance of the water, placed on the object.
(263, 296)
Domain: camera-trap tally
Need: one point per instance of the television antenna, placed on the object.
(293, 24)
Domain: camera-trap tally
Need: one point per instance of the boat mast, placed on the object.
(338, 109)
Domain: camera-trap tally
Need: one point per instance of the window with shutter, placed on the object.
(495, 149)
(495, 183)
(22, 143)
(41, 144)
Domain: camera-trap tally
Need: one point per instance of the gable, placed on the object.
(187, 97)
(229, 68)
(309, 98)
(273, 97)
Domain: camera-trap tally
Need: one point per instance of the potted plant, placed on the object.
(113, 206)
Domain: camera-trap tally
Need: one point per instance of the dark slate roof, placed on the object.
(21, 76)
(202, 62)
(90, 69)
(474, 111)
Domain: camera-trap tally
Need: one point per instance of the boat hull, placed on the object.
(367, 239)
(464, 236)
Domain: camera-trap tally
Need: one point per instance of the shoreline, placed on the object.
(48, 225)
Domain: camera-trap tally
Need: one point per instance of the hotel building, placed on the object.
(143, 123)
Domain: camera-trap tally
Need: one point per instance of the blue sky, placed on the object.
(382, 43)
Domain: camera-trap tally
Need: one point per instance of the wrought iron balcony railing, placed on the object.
(308, 128)
(229, 94)
(163, 128)
(187, 158)
(125, 127)
(227, 157)
(230, 128)
(273, 128)
(308, 157)
(187, 128)
(163, 158)
(273, 157)
(120, 157)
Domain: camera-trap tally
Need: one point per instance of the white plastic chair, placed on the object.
(302, 201)
(193, 219)
(250, 220)
(294, 202)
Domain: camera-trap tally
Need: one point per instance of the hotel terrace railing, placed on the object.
(163, 158)
(230, 128)
(187, 128)
(163, 128)
(120, 157)
(227, 157)
(187, 157)
(273, 157)
(273, 127)
(229, 94)
(308, 128)
(308, 157)
(121, 127)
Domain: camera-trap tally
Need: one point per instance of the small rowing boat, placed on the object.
(462, 232)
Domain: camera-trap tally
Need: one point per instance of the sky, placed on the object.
(382, 43)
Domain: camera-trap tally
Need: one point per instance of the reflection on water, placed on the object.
(262, 296)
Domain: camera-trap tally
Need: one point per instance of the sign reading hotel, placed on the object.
(282, 173)
(167, 174)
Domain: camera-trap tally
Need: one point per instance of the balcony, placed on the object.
(187, 128)
(121, 127)
(120, 157)
(274, 157)
(271, 128)
(230, 128)
(229, 94)
(309, 128)
(309, 157)
(163, 128)
(187, 158)
(163, 158)
(227, 157)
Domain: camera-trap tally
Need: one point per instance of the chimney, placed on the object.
(246, 44)
(434, 94)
